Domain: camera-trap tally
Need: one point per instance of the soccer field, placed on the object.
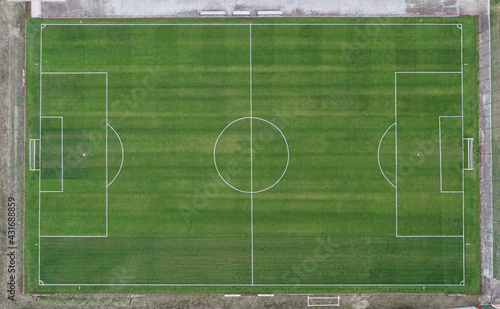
(299, 155)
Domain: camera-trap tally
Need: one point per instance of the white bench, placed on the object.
(241, 13)
(269, 13)
(212, 13)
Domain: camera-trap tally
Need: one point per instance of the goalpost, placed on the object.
(323, 301)
(470, 154)
(33, 155)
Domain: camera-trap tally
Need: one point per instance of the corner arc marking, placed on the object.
(123, 154)
(378, 155)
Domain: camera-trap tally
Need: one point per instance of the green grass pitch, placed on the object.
(291, 155)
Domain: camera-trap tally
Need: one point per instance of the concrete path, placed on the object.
(93, 8)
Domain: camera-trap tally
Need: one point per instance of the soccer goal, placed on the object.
(469, 154)
(33, 154)
(323, 301)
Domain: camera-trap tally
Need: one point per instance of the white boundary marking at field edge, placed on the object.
(263, 24)
(62, 154)
(42, 26)
(440, 159)
(245, 285)
(39, 152)
(251, 147)
(123, 154)
(378, 154)
(39, 199)
(71, 236)
(463, 178)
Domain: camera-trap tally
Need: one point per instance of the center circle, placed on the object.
(253, 155)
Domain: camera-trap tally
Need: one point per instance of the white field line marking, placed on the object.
(123, 154)
(431, 236)
(324, 297)
(440, 159)
(264, 24)
(62, 154)
(251, 148)
(72, 236)
(245, 285)
(74, 73)
(34, 157)
(396, 141)
(463, 172)
(40, 152)
(106, 132)
(378, 155)
(42, 26)
(429, 72)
